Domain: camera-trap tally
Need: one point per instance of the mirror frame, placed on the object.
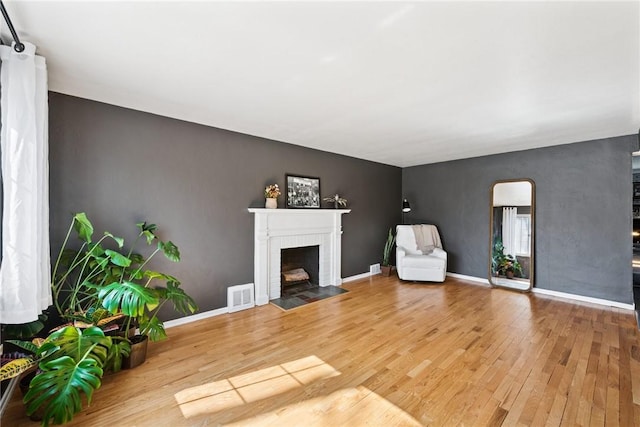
(533, 233)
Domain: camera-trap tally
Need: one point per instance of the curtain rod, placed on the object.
(19, 47)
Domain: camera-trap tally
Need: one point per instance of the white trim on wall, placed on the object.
(565, 295)
(196, 317)
(584, 299)
(469, 278)
(357, 277)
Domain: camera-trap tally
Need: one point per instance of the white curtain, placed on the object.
(25, 272)
(509, 230)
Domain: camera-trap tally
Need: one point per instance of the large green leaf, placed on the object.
(95, 250)
(75, 343)
(181, 301)
(153, 328)
(118, 240)
(24, 331)
(16, 367)
(170, 250)
(26, 345)
(127, 297)
(118, 259)
(120, 349)
(152, 275)
(83, 226)
(58, 388)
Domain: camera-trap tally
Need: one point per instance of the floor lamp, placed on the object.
(406, 207)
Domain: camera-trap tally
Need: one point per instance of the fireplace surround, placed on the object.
(277, 229)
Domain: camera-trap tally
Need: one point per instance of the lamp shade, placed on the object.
(406, 207)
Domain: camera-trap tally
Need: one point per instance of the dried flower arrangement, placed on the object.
(272, 191)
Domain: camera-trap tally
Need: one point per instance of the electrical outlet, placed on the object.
(374, 269)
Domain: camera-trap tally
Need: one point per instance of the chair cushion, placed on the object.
(406, 240)
(422, 261)
(408, 250)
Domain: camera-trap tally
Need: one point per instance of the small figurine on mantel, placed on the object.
(337, 201)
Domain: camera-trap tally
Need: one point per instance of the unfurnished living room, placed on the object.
(320, 213)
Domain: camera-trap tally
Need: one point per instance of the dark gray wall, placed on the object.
(196, 182)
(583, 212)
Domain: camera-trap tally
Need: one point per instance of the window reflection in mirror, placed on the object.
(511, 232)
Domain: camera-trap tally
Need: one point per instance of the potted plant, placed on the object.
(504, 264)
(71, 362)
(337, 201)
(96, 285)
(386, 254)
(139, 293)
(271, 193)
(95, 288)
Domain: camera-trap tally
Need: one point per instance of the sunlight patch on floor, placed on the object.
(251, 387)
(346, 407)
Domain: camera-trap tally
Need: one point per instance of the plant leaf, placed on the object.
(153, 328)
(25, 330)
(76, 343)
(151, 275)
(128, 298)
(170, 250)
(118, 240)
(149, 236)
(58, 388)
(136, 258)
(117, 258)
(148, 231)
(83, 226)
(95, 250)
(26, 345)
(120, 349)
(181, 301)
(110, 319)
(16, 367)
(144, 226)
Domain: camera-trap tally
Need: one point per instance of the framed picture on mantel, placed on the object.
(302, 191)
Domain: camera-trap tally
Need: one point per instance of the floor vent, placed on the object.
(240, 297)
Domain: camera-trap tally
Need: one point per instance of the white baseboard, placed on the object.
(195, 317)
(356, 277)
(583, 298)
(553, 293)
(469, 278)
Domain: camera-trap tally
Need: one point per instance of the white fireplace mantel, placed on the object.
(277, 229)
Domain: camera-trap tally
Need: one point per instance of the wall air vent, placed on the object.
(240, 297)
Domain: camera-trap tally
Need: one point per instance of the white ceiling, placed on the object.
(393, 82)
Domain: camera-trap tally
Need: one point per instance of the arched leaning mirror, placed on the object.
(512, 221)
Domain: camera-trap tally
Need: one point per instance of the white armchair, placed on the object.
(412, 264)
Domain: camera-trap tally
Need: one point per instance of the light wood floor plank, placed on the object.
(387, 353)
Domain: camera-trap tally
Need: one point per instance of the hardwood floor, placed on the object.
(386, 353)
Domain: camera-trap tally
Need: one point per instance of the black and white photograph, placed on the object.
(303, 191)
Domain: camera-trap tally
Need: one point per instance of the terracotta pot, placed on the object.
(385, 270)
(138, 352)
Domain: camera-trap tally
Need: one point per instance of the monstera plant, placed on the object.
(95, 283)
(99, 288)
(71, 362)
